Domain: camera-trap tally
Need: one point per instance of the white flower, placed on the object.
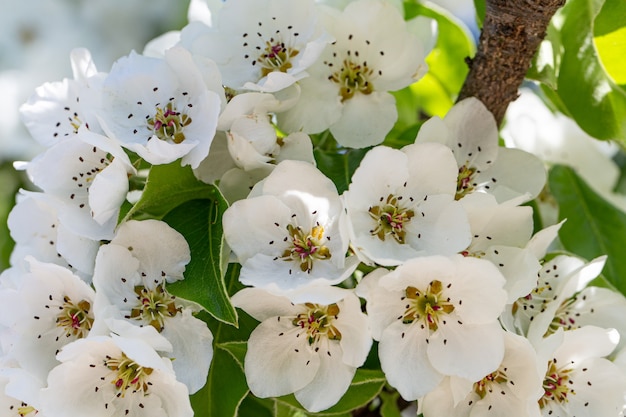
(400, 204)
(261, 45)
(288, 236)
(50, 308)
(514, 389)
(435, 316)
(113, 376)
(311, 350)
(130, 278)
(578, 380)
(36, 230)
(163, 109)
(14, 405)
(88, 173)
(558, 280)
(501, 233)
(374, 52)
(470, 130)
(57, 110)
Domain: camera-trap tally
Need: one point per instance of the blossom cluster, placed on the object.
(429, 252)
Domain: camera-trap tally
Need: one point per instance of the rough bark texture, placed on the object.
(512, 32)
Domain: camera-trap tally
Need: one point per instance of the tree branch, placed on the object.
(512, 32)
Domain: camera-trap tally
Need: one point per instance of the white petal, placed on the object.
(331, 381)
(402, 352)
(365, 120)
(277, 362)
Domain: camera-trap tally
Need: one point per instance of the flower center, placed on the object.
(483, 387)
(75, 318)
(306, 247)
(464, 185)
(276, 57)
(154, 306)
(563, 317)
(129, 374)
(352, 78)
(25, 410)
(428, 306)
(317, 322)
(556, 385)
(168, 124)
(390, 218)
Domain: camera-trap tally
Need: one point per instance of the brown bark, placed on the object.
(512, 32)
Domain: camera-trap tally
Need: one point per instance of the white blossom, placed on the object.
(131, 277)
(288, 235)
(163, 109)
(260, 45)
(579, 380)
(49, 308)
(514, 389)
(400, 204)
(310, 349)
(373, 53)
(470, 130)
(435, 316)
(112, 376)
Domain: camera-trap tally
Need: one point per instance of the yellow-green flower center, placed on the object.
(556, 385)
(429, 306)
(464, 183)
(317, 322)
(391, 219)
(483, 387)
(276, 57)
(128, 374)
(154, 306)
(169, 124)
(353, 78)
(306, 247)
(26, 410)
(75, 318)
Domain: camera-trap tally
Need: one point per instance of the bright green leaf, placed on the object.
(169, 186)
(610, 38)
(446, 62)
(594, 100)
(200, 222)
(594, 227)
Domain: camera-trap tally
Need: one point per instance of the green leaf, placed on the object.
(591, 96)
(610, 38)
(339, 167)
(389, 404)
(594, 227)
(481, 10)
(11, 181)
(446, 62)
(546, 62)
(365, 386)
(169, 186)
(200, 222)
(225, 388)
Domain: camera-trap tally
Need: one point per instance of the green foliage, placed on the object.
(339, 167)
(436, 92)
(11, 182)
(200, 222)
(594, 227)
(580, 62)
(167, 187)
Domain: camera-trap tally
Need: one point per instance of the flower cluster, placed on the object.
(428, 253)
